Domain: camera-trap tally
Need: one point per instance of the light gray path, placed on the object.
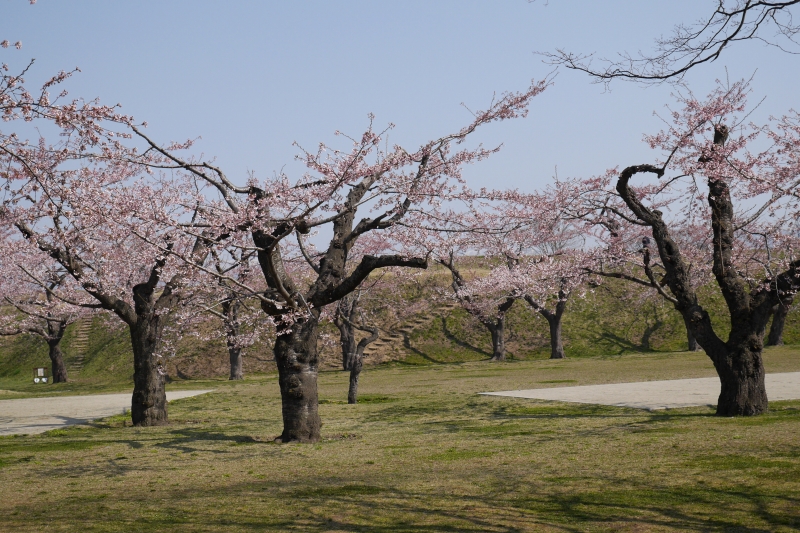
(656, 394)
(37, 415)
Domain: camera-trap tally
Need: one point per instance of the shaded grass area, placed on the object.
(423, 452)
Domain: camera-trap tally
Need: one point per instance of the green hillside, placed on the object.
(606, 321)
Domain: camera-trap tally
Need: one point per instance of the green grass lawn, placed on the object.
(422, 452)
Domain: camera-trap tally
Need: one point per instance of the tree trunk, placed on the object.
(55, 332)
(235, 353)
(57, 362)
(498, 339)
(231, 310)
(779, 313)
(297, 360)
(741, 375)
(738, 361)
(344, 319)
(149, 402)
(355, 371)
(347, 339)
(556, 346)
(553, 321)
(693, 344)
(358, 359)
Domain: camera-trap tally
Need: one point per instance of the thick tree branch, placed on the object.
(368, 264)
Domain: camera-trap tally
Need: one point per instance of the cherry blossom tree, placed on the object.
(123, 274)
(238, 312)
(546, 284)
(543, 252)
(544, 276)
(483, 304)
(464, 240)
(383, 182)
(525, 246)
(738, 181)
(348, 318)
(483, 301)
(41, 298)
(91, 202)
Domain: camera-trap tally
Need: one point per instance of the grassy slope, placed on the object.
(107, 365)
(422, 452)
(606, 321)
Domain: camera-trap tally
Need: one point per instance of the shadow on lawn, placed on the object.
(187, 440)
(329, 504)
(584, 410)
(449, 335)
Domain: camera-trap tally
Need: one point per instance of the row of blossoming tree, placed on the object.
(98, 214)
(143, 227)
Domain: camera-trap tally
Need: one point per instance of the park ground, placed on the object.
(421, 452)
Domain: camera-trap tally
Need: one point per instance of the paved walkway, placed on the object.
(653, 395)
(37, 415)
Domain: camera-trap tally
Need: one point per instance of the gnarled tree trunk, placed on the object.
(149, 402)
(237, 366)
(57, 365)
(352, 390)
(297, 360)
(741, 374)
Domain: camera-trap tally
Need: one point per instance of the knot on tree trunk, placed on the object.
(755, 343)
(294, 387)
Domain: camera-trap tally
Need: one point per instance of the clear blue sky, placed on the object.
(250, 77)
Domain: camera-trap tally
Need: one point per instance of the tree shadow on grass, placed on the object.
(187, 440)
(407, 345)
(659, 507)
(557, 409)
(449, 335)
(623, 344)
(510, 504)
